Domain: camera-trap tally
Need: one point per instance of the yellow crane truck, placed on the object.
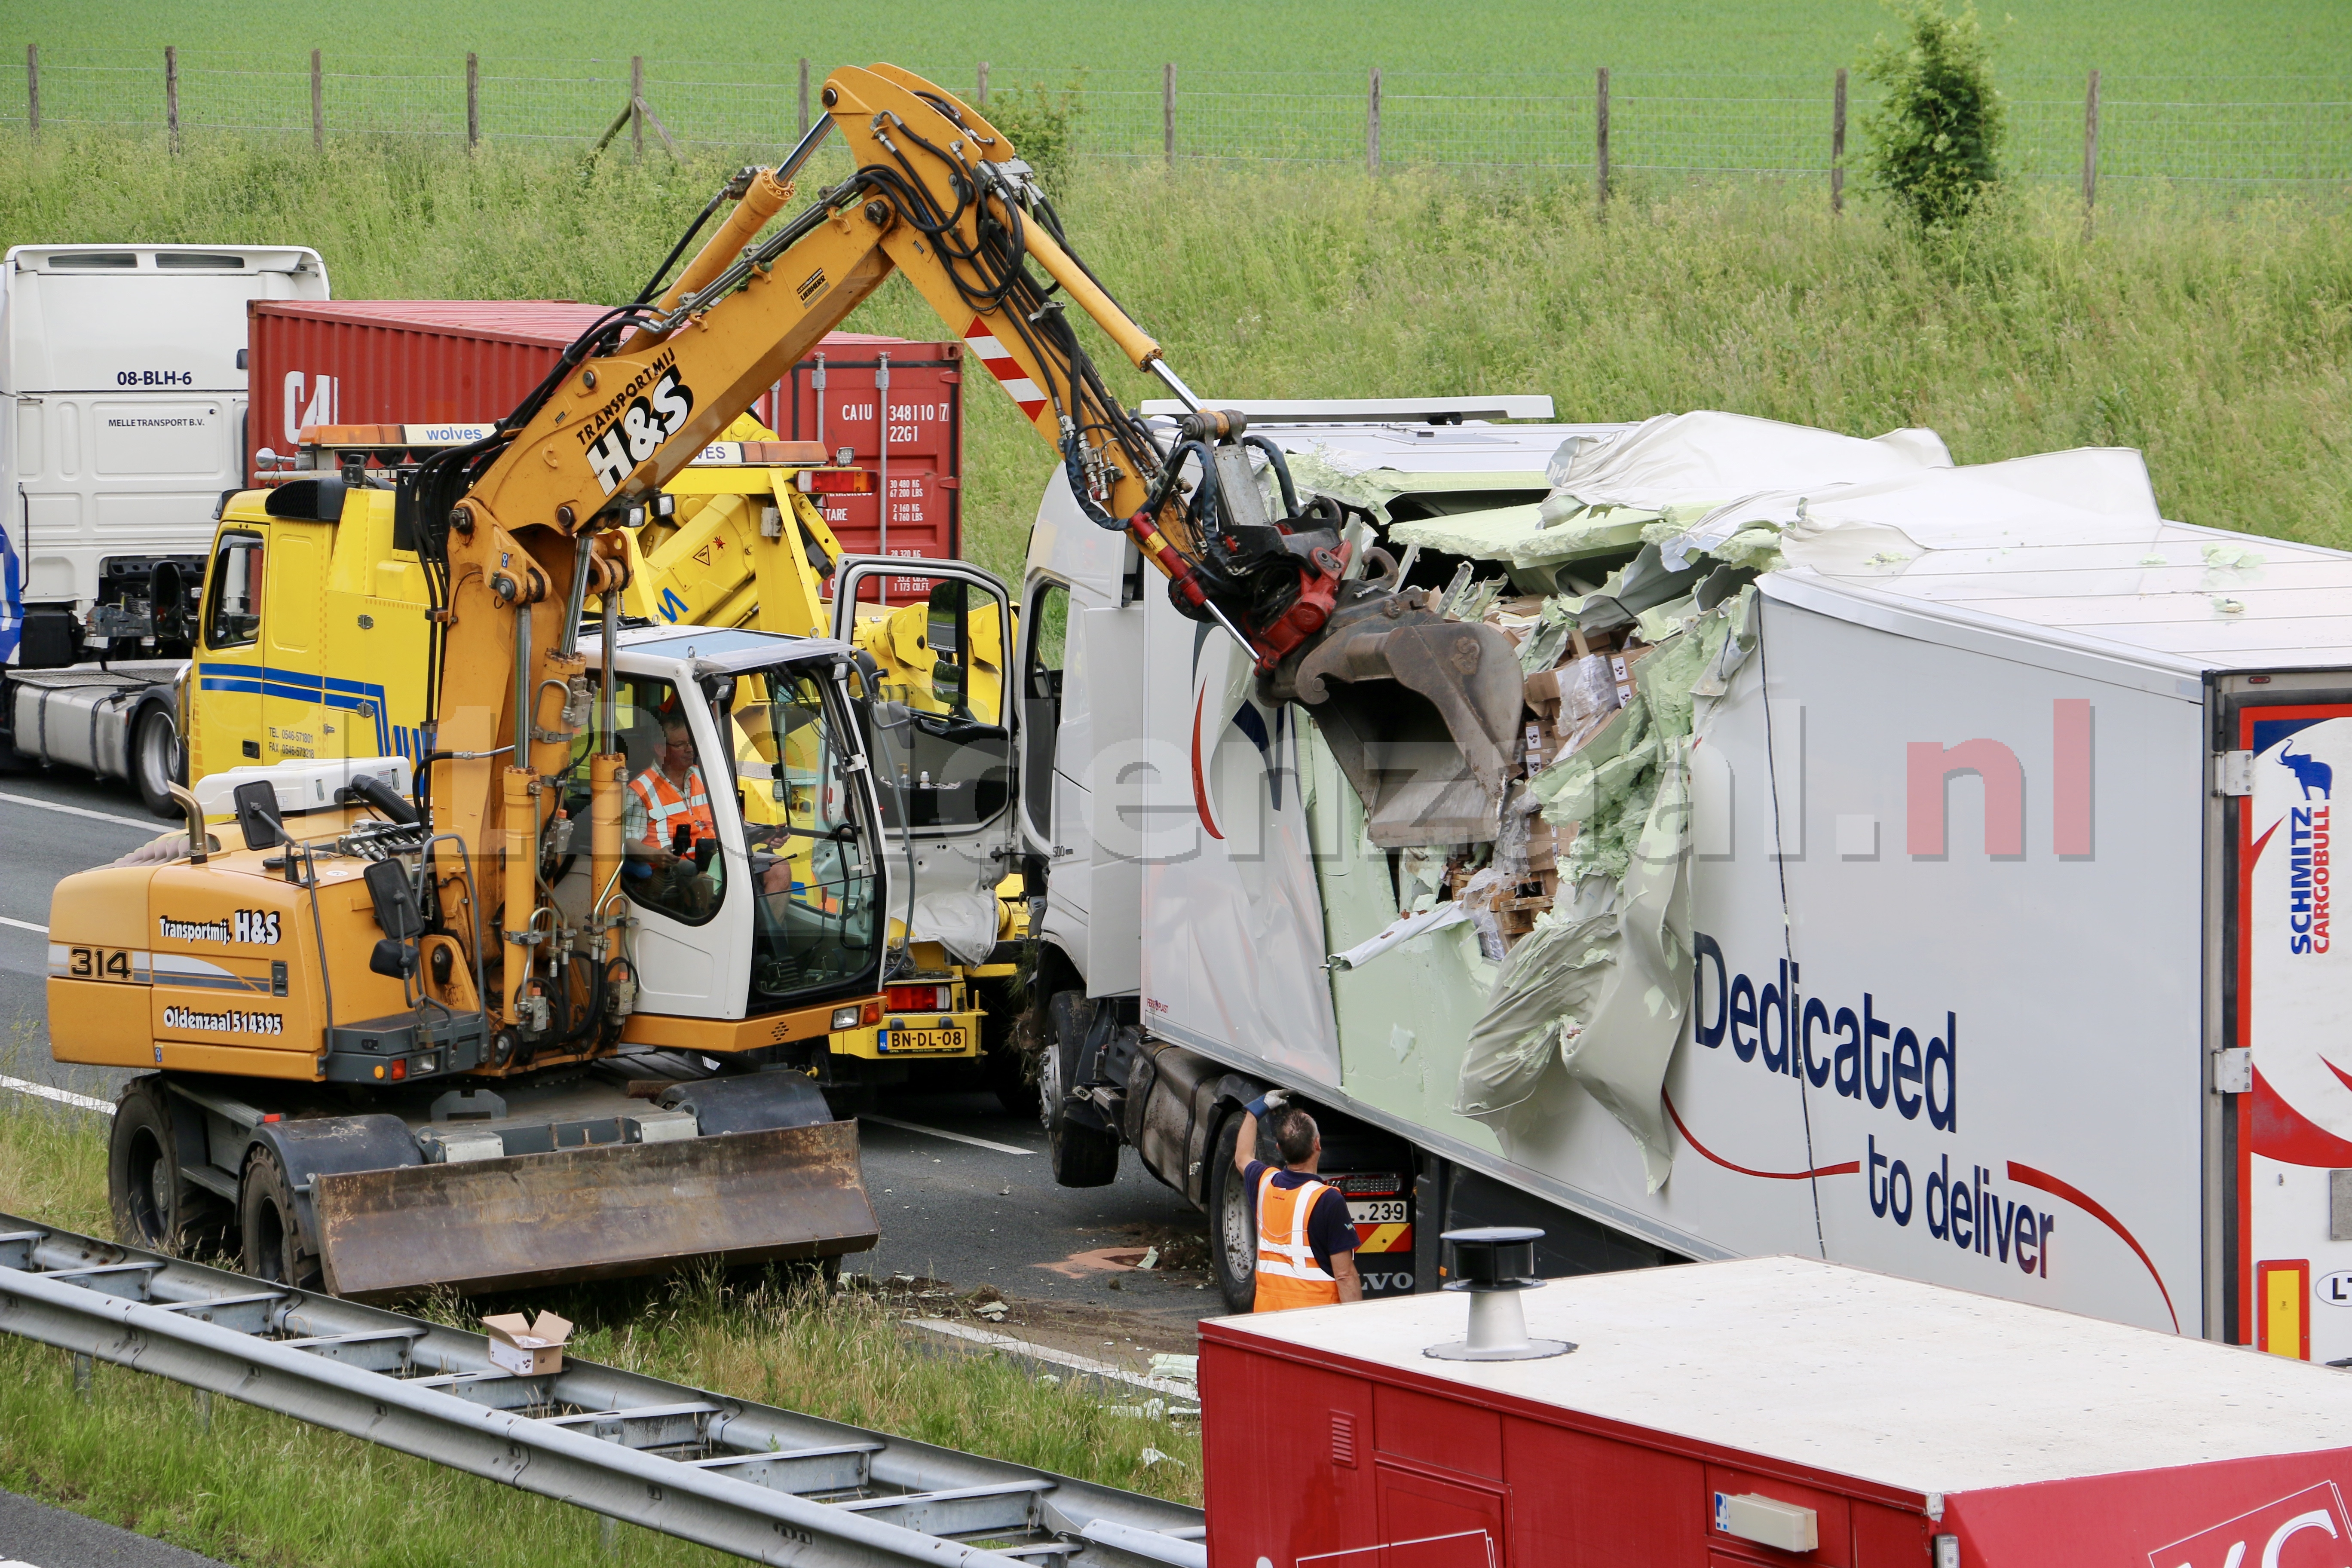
(438, 1038)
(745, 545)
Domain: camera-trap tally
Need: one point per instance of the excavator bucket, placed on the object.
(1419, 712)
(597, 1212)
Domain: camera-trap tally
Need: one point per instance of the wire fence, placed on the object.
(2278, 130)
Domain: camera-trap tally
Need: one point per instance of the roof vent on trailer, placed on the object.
(1493, 1263)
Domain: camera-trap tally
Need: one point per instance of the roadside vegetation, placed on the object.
(254, 1487)
(2214, 332)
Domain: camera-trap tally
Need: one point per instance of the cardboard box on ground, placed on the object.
(527, 1347)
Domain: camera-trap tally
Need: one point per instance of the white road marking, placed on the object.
(63, 1097)
(153, 823)
(1047, 1353)
(942, 1132)
(44, 930)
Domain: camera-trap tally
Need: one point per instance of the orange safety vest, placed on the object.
(1287, 1274)
(666, 804)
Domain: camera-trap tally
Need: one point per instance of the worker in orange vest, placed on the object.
(667, 813)
(1306, 1243)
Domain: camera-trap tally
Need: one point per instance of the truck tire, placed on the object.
(1233, 1223)
(155, 1208)
(155, 759)
(270, 1227)
(1081, 1157)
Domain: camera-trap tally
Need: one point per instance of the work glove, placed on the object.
(1272, 1100)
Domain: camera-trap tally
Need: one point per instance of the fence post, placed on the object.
(172, 93)
(32, 91)
(803, 95)
(1600, 141)
(473, 101)
(1167, 111)
(1837, 147)
(318, 107)
(980, 86)
(2090, 151)
(1372, 126)
(636, 112)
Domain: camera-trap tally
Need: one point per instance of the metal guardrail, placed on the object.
(771, 1485)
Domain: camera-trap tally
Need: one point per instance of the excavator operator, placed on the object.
(668, 823)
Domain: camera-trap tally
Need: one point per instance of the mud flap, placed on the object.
(1420, 713)
(598, 1213)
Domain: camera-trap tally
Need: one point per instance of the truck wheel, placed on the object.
(1081, 1157)
(155, 1208)
(1232, 1224)
(155, 760)
(275, 1248)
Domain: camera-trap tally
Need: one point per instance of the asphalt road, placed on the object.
(961, 1188)
(35, 1535)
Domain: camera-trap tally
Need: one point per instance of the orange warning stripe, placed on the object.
(1384, 1238)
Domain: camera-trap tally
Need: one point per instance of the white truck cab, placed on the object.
(122, 403)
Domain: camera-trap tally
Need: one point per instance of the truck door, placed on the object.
(225, 709)
(2289, 1098)
(295, 723)
(941, 737)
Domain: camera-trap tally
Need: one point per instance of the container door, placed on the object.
(941, 736)
(2293, 986)
(225, 710)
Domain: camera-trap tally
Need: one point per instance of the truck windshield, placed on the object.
(814, 862)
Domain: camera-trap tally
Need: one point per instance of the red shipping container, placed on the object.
(1771, 1411)
(834, 397)
(411, 362)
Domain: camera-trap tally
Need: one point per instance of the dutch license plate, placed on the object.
(910, 1042)
(1382, 1211)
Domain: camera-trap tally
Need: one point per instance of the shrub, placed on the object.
(1934, 141)
(1044, 127)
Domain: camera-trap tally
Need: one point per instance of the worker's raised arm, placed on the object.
(1246, 1146)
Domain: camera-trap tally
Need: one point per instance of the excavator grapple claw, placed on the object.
(1419, 711)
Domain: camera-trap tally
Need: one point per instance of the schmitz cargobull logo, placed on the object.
(2306, 853)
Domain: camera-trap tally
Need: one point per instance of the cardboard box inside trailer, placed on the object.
(1891, 1413)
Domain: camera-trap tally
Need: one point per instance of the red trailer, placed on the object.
(1772, 1411)
(468, 362)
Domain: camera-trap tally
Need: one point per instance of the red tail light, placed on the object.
(872, 1013)
(835, 481)
(920, 998)
(399, 1070)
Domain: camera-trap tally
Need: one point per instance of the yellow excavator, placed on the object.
(409, 1033)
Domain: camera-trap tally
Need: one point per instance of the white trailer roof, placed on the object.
(2064, 548)
(1862, 1375)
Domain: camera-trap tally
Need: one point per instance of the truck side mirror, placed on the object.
(947, 632)
(256, 815)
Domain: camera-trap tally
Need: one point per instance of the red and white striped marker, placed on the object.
(1005, 367)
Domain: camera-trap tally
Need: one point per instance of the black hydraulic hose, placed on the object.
(646, 295)
(1281, 466)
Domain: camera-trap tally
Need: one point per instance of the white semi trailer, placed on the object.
(122, 407)
(1988, 940)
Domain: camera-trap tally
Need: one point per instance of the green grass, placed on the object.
(260, 1489)
(1500, 37)
(2214, 336)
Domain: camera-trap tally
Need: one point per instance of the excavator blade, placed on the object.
(597, 1212)
(1419, 712)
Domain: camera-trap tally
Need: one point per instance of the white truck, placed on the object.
(122, 407)
(1934, 877)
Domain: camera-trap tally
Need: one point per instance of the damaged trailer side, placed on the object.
(1732, 967)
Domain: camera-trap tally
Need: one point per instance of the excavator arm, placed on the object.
(526, 518)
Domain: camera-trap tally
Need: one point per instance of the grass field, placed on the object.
(2152, 37)
(259, 1488)
(2216, 338)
